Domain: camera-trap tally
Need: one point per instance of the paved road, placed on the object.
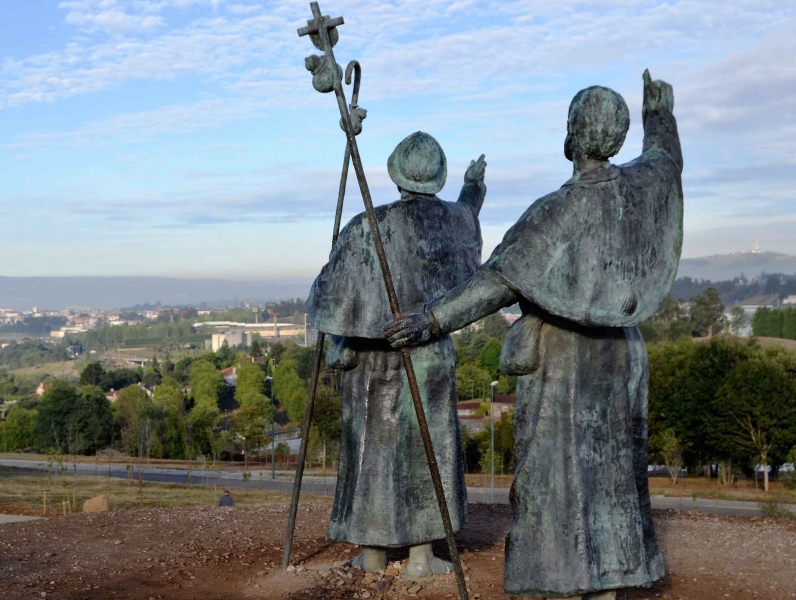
(326, 485)
(15, 519)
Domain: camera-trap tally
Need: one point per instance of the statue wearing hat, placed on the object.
(587, 263)
(385, 496)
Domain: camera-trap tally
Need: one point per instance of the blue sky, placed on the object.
(184, 138)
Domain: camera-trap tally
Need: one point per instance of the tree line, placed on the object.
(775, 322)
(177, 410)
(718, 406)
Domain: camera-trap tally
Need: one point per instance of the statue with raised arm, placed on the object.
(385, 497)
(587, 264)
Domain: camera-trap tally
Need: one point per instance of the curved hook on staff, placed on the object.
(354, 66)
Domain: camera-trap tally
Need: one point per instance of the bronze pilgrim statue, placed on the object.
(587, 264)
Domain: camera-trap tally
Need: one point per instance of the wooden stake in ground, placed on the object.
(321, 27)
(44, 503)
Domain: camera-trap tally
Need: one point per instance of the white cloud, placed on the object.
(243, 9)
(498, 73)
(107, 15)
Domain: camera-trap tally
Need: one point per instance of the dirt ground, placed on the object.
(234, 554)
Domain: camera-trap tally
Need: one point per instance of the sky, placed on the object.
(184, 138)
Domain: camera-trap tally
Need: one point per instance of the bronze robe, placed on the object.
(384, 493)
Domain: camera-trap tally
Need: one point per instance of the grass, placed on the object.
(700, 487)
(117, 458)
(56, 369)
(22, 494)
(689, 487)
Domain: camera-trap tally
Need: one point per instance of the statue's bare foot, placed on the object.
(422, 563)
(370, 559)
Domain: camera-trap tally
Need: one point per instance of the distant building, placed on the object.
(265, 330)
(230, 375)
(467, 408)
(232, 338)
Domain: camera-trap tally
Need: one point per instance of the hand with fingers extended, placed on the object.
(408, 330)
(658, 95)
(476, 170)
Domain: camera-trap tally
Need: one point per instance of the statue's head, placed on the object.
(418, 164)
(597, 124)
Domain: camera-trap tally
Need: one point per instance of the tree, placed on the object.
(94, 419)
(471, 381)
(251, 380)
(55, 421)
(19, 429)
(92, 375)
(760, 397)
(671, 450)
(224, 356)
(131, 408)
(707, 312)
(326, 416)
(789, 323)
(256, 349)
(168, 396)
(151, 378)
(290, 390)
(248, 424)
(119, 379)
(489, 359)
(206, 383)
(685, 380)
(738, 319)
(670, 310)
(168, 366)
(495, 326)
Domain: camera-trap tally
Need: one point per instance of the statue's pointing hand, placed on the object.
(658, 95)
(476, 170)
(408, 330)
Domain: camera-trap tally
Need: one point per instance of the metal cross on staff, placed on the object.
(323, 29)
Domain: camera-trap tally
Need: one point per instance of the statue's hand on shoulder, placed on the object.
(476, 170)
(408, 330)
(657, 95)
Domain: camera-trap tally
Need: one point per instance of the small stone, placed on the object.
(364, 594)
(291, 568)
(412, 591)
(96, 504)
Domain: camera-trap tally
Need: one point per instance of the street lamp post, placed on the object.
(273, 417)
(492, 418)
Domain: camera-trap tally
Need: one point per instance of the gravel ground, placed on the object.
(234, 554)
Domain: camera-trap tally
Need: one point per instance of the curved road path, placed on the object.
(326, 485)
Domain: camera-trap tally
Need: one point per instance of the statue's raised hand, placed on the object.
(476, 170)
(657, 95)
(408, 330)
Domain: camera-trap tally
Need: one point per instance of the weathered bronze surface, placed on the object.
(384, 494)
(587, 264)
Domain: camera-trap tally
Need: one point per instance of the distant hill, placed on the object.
(55, 293)
(722, 267)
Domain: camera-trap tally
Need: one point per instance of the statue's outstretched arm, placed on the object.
(483, 294)
(474, 190)
(660, 126)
